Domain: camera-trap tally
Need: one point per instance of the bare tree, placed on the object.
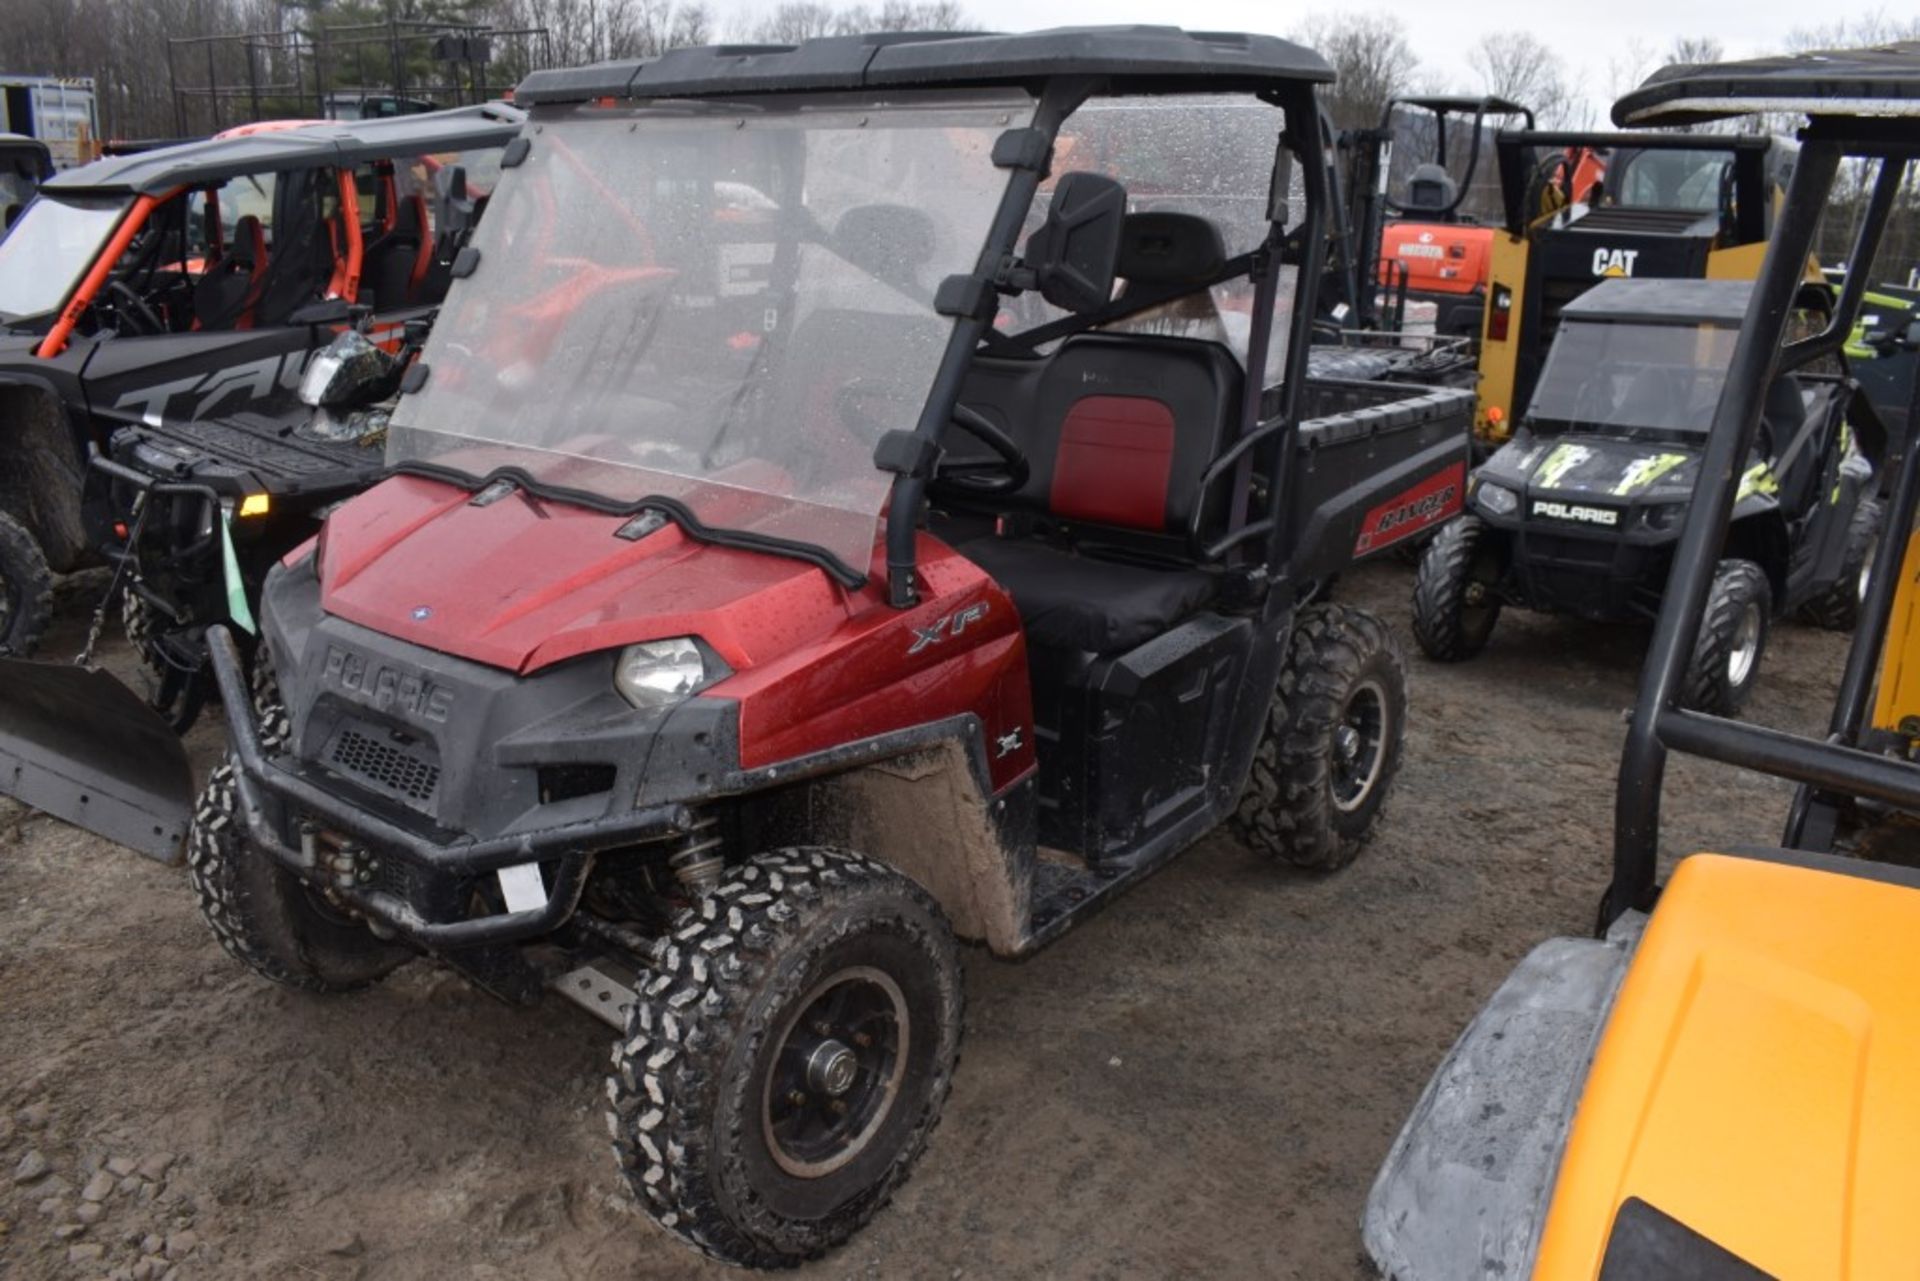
(1517, 66)
(1372, 63)
(1695, 51)
(1854, 33)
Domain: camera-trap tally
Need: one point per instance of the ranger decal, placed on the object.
(1411, 510)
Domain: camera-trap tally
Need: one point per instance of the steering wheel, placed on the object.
(1004, 473)
(128, 305)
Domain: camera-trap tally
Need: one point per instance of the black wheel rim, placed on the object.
(836, 1072)
(1359, 746)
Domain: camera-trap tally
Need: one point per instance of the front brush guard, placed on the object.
(571, 845)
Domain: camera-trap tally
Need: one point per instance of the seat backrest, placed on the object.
(1431, 190)
(392, 261)
(1120, 428)
(230, 286)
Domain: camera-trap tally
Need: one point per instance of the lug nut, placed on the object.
(796, 1097)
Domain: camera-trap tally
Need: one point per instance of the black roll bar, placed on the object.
(1658, 725)
(1057, 102)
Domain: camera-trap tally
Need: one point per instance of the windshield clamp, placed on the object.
(1027, 148)
(906, 453)
(965, 297)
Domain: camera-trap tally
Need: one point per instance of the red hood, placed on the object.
(522, 584)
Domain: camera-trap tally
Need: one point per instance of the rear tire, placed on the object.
(26, 589)
(1332, 744)
(1448, 624)
(723, 1094)
(1733, 635)
(1838, 608)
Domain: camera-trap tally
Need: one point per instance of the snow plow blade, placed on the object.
(81, 746)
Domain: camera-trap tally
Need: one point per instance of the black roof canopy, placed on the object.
(1150, 59)
(311, 146)
(1663, 302)
(1882, 81)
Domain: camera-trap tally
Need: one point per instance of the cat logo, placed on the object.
(1614, 262)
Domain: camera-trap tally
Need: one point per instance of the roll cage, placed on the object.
(151, 182)
(1864, 105)
(1061, 69)
(1743, 206)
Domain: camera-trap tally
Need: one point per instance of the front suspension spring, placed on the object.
(699, 863)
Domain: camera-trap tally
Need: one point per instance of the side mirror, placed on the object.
(1073, 253)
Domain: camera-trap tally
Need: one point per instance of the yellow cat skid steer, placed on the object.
(1723, 1083)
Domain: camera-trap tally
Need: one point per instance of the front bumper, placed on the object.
(277, 795)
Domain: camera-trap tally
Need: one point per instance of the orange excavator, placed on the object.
(1425, 211)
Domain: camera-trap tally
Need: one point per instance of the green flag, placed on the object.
(237, 607)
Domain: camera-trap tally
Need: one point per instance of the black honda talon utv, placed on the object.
(749, 617)
(202, 511)
(1579, 512)
(172, 287)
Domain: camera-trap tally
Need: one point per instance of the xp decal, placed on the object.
(947, 625)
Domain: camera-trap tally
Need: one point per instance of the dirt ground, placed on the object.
(1200, 1082)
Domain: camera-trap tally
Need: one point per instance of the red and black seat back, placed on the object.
(1118, 428)
(1125, 426)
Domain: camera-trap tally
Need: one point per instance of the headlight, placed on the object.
(1661, 517)
(660, 673)
(1497, 499)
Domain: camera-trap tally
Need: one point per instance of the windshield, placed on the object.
(1668, 179)
(1655, 377)
(722, 303)
(52, 244)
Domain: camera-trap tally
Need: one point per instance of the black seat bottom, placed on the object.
(1068, 601)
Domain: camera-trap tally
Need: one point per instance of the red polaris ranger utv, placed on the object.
(750, 616)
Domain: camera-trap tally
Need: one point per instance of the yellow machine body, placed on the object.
(1756, 1077)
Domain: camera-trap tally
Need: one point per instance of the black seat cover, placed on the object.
(1118, 431)
(386, 280)
(1069, 601)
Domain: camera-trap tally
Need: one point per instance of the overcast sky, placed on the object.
(1589, 37)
